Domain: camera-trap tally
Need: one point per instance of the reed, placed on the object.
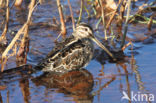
(63, 26)
(21, 31)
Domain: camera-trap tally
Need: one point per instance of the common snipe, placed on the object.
(72, 53)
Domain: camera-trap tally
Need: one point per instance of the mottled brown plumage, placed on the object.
(72, 53)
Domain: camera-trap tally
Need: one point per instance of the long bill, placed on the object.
(102, 46)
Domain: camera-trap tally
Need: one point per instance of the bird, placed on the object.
(74, 52)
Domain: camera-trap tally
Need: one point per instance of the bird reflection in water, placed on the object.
(77, 84)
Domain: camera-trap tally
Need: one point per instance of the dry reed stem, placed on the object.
(32, 4)
(22, 52)
(103, 19)
(125, 46)
(22, 48)
(3, 62)
(18, 34)
(71, 13)
(63, 26)
(3, 36)
(113, 15)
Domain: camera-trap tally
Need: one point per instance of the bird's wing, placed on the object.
(67, 58)
(59, 51)
(59, 46)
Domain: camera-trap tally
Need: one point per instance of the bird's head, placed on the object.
(83, 30)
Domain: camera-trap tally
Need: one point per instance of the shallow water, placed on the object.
(100, 82)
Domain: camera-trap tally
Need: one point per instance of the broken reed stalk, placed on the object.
(113, 15)
(125, 46)
(103, 19)
(18, 34)
(126, 23)
(23, 49)
(81, 10)
(63, 26)
(71, 13)
(3, 36)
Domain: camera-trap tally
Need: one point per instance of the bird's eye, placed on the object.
(86, 29)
